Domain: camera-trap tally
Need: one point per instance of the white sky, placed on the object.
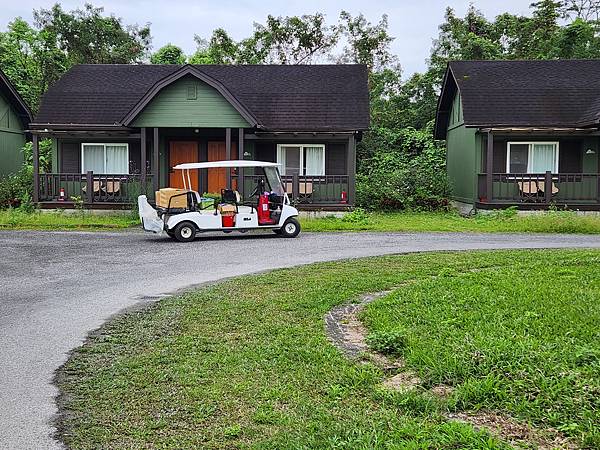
(414, 23)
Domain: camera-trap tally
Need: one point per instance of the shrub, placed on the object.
(407, 170)
(388, 342)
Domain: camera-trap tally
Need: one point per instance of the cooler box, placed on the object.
(163, 196)
(227, 210)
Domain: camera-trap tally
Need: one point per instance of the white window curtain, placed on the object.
(315, 161)
(117, 159)
(93, 158)
(542, 158)
(105, 158)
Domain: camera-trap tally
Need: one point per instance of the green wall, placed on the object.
(463, 156)
(190, 102)
(12, 138)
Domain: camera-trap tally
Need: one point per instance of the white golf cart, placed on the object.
(182, 213)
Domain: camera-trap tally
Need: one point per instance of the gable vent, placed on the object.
(191, 92)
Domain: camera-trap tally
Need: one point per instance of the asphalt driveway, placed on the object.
(56, 287)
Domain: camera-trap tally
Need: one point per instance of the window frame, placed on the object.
(302, 164)
(530, 145)
(104, 144)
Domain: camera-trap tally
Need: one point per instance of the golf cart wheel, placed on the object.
(185, 232)
(290, 228)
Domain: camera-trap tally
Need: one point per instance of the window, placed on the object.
(105, 158)
(301, 159)
(532, 157)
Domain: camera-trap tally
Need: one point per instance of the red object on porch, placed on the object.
(61, 195)
(344, 197)
(228, 221)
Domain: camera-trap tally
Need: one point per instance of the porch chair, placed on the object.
(95, 186)
(112, 187)
(542, 186)
(528, 190)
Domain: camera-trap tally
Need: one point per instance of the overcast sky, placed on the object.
(414, 23)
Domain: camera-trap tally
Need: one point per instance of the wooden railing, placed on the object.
(313, 190)
(545, 188)
(93, 188)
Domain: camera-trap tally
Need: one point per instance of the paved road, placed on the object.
(56, 287)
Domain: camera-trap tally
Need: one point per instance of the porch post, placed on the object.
(228, 154)
(351, 169)
(241, 157)
(489, 167)
(36, 168)
(155, 165)
(143, 158)
(548, 186)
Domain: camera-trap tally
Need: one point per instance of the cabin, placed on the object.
(15, 117)
(522, 133)
(118, 130)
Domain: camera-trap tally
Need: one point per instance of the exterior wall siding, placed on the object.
(190, 102)
(12, 139)
(462, 157)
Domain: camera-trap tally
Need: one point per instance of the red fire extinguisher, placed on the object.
(264, 214)
(61, 195)
(344, 197)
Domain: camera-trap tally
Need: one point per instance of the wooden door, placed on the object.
(217, 178)
(182, 152)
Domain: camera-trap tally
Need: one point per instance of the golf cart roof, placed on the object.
(217, 164)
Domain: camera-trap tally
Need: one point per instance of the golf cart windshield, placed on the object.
(274, 180)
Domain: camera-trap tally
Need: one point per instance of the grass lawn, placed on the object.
(59, 220)
(358, 220)
(246, 363)
(501, 221)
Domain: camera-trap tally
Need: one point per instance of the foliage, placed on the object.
(34, 57)
(401, 169)
(281, 40)
(168, 54)
(392, 342)
(16, 189)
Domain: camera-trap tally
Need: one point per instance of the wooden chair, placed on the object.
(112, 187)
(528, 190)
(542, 186)
(95, 185)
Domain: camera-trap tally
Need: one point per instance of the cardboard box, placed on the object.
(163, 196)
(227, 210)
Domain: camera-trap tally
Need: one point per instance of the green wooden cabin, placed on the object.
(522, 133)
(121, 128)
(15, 117)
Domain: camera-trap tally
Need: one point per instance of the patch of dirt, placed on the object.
(512, 431)
(442, 390)
(403, 381)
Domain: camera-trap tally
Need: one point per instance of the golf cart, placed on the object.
(182, 213)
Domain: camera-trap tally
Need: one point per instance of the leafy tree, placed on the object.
(88, 37)
(220, 49)
(168, 54)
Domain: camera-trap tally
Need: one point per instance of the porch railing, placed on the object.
(93, 188)
(308, 190)
(541, 188)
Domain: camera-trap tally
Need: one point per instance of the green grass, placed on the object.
(246, 363)
(502, 221)
(358, 220)
(60, 220)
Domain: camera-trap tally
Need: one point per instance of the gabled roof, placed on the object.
(10, 93)
(554, 93)
(278, 98)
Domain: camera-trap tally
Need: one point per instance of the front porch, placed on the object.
(510, 157)
(148, 154)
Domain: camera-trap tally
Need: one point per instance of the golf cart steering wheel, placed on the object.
(260, 187)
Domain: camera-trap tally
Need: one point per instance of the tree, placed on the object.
(86, 36)
(221, 49)
(168, 54)
(367, 43)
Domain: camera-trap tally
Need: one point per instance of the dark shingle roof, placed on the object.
(554, 93)
(312, 97)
